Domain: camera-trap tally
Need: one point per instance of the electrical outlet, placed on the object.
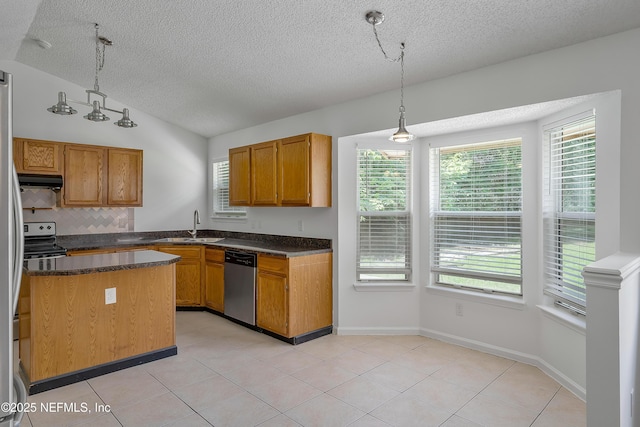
(110, 296)
(459, 309)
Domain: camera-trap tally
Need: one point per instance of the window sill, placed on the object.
(565, 318)
(382, 287)
(229, 218)
(505, 301)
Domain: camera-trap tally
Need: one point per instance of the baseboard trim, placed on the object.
(85, 374)
(529, 359)
(382, 330)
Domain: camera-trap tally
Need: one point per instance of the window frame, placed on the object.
(228, 212)
(407, 213)
(478, 141)
(565, 295)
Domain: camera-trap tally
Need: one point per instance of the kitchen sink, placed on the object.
(190, 239)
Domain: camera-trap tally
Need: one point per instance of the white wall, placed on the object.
(601, 65)
(174, 159)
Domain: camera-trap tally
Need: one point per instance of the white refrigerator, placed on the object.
(12, 389)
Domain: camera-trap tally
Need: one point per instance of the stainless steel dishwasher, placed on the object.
(240, 286)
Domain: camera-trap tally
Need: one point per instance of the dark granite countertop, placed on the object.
(284, 246)
(69, 266)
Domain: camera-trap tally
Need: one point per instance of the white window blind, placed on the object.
(569, 210)
(476, 208)
(221, 206)
(384, 218)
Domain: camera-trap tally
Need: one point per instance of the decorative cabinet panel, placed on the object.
(37, 157)
(293, 171)
(188, 274)
(214, 279)
(294, 295)
(124, 177)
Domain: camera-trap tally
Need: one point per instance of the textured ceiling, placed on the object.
(215, 67)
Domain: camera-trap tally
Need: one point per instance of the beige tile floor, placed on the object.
(227, 375)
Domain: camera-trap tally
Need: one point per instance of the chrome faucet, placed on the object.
(196, 221)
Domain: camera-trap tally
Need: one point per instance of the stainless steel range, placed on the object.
(40, 241)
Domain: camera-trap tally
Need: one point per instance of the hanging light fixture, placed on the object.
(97, 114)
(402, 135)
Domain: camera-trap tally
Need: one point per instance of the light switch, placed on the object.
(110, 296)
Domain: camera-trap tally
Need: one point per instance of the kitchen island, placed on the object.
(85, 316)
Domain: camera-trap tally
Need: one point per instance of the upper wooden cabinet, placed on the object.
(293, 171)
(305, 170)
(124, 177)
(37, 156)
(264, 174)
(83, 176)
(240, 176)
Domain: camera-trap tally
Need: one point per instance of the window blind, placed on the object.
(476, 207)
(569, 210)
(384, 219)
(221, 191)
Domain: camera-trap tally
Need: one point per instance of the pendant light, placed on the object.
(98, 107)
(402, 135)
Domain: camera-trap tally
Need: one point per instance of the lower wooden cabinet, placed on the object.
(214, 279)
(272, 304)
(188, 274)
(294, 295)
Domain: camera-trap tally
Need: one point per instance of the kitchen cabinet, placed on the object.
(83, 176)
(124, 177)
(101, 176)
(37, 157)
(293, 171)
(294, 295)
(214, 279)
(240, 176)
(264, 174)
(305, 170)
(188, 274)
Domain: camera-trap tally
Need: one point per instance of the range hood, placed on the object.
(53, 182)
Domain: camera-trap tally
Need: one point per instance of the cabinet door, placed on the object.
(188, 282)
(214, 286)
(214, 279)
(264, 174)
(83, 175)
(240, 176)
(272, 305)
(124, 178)
(188, 274)
(37, 157)
(293, 157)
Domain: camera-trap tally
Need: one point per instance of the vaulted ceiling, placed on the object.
(217, 66)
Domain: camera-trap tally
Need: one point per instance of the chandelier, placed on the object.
(98, 106)
(402, 135)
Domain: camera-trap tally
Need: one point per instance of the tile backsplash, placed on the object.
(40, 205)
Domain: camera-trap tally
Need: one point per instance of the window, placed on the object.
(476, 208)
(569, 210)
(384, 218)
(221, 206)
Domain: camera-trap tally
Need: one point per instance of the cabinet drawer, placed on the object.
(215, 255)
(183, 251)
(273, 264)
